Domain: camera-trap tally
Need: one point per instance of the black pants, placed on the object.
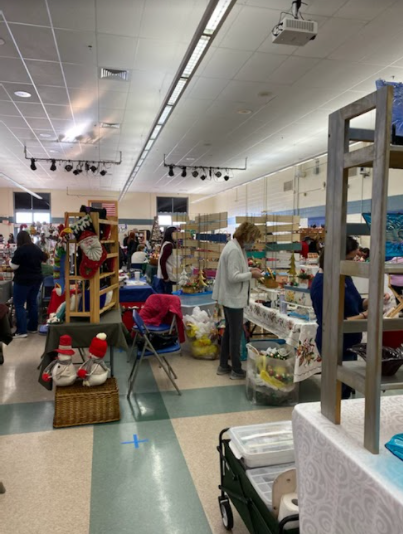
(231, 341)
(399, 291)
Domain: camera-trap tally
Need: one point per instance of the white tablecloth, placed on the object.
(342, 487)
(297, 333)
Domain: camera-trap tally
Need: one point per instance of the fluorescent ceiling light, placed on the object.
(164, 115)
(177, 91)
(217, 16)
(149, 145)
(155, 132)
(22, 94)
(197, 53)
(2, 175)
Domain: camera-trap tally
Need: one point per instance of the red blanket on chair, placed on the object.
(160, 309)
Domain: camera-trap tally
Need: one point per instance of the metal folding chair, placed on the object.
(149, 350)
(45, 295)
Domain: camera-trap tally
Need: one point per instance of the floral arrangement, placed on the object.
(304, 275)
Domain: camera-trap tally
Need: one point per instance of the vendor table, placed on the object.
(296, 332)
(82, 332)
(342, 487)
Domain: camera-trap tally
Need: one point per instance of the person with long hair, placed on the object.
(167, 262)
(27, 266)
(132, 244)
(231, 290)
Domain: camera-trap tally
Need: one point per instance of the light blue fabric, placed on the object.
(395, 446)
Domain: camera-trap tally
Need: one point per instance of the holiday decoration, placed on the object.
(60, 259)
(94, 253)
(183, 278)
(201, 280)
(62, 370)
(292, 271)
(93, 371)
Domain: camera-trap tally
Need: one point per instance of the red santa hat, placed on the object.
(99, 346)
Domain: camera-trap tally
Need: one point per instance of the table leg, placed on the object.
(111, 354)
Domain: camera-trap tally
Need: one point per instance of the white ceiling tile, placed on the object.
(53, 95)
(8, 49)
(260, 67)
(326, 8)
(241, 37)
(225, 64)
(343, 100)
(112, 99)
(45, 73)
(25, 11)
(111, 115)
(82, 76)
(77, 47)
(31, 110)
(14, 122)
(35, 42)
(156, 55)
(74, 14)
(113, 85)
(120, 17)
(208, 88)
(293, 69)
(13, 70)
(390, 74)
(116, 51)
(242, 91)
(59, 112)
(363, 9)
(8, 108)
(39, 124)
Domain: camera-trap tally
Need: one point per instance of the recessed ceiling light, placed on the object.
(2, 41)
(244, 111)
(45, 135)
(22, 94)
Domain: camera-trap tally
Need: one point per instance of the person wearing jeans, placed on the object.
(231, 290)
(27, 266)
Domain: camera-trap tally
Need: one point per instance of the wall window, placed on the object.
(172, 205)
(28, 209)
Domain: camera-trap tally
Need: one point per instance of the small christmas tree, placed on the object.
(183, 278)
(201, 279)
(292, 271)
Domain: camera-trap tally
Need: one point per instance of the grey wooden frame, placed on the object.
(340, 159)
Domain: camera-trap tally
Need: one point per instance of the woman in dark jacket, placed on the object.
(354, 308)
(27, 266)
(132, 244)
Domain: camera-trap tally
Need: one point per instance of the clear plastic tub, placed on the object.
(262, 480)
(264, 445)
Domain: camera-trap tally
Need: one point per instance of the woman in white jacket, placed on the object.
(231, 290)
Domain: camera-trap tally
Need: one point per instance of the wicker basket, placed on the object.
(270, 283)
(81, 405)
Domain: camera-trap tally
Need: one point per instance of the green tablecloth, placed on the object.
(151, 271)
(82, 332)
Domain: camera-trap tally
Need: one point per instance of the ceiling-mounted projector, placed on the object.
(295, 32)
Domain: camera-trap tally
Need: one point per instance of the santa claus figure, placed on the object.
(93, 371)
(62, 370)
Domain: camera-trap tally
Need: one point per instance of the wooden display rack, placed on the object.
(363, 377)
(93, 285)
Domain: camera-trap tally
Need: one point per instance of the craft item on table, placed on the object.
(59, 274)
(395, 446)
(94, 371)
(202, 332)
(62, 370)
(201, 280)
(392, 359)
(253, 263)
(183, 278)
(93, 252)
(292, 271)
(305, 278)
(269, 279)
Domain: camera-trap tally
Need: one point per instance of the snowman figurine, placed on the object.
(62, 370)
(94, 372)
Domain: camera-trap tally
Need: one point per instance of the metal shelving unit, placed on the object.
(381, 155)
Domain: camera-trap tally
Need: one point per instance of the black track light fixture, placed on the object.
(87, 166)
(195, 174)
(33, 166)
(218, 174)
(93, 168)
(68, 167)
(226, 177)
(53, 166)
(76, 172)
(203, 177)
(103, 172)
(171, 171)
(184, 173)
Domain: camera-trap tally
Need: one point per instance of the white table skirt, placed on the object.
(342, 487)
(297, 333)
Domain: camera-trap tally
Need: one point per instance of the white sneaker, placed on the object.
(20, 336)
(32, 331)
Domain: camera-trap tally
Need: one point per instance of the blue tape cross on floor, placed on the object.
(135, 441)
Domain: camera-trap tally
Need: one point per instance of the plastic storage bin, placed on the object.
(270, 381)
(264, 445)
(262, 480)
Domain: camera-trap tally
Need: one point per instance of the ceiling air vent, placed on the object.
(114, 125)
(288, 186)
(114, 74)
